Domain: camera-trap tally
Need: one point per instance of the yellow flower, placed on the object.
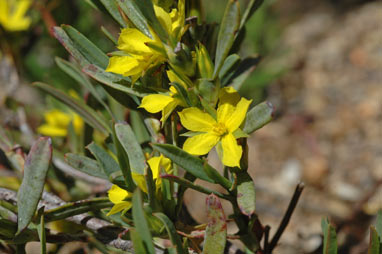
(119, 197)
(57, 123)
(139, 57)
(12, 14)
(166, 103)
(230, 115)
(157, 166)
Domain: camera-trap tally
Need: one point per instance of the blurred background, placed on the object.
(321, 68)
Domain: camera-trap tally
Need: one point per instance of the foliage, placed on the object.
(139, 127)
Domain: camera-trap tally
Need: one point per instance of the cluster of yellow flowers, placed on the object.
(138, 53)
(12, 15)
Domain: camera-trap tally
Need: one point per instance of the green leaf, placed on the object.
(111, 80)
(216, 231)
(258, 116)
(171, 230)
(330, 238)
(140, 223)
(123, 161)
(374, 245)
(379, 224)
(139, 127)
(72, 70)
(146, 7)
(228, 69)
(7, 229)
(134, 151)
(253, 5)
(35, 170)
(246, 195)
(136, 238)
(243, 72)
(188, 162)
(135, 16)
(75, 208)
(107, 163)
(90, 51)
(88, 114)
(112, 8)
(188, 184)
(69, 45)
(41, 231)
(85, 165)
(228, 29)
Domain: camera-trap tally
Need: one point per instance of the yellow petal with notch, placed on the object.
(238, 115)
(155, 103)
(200, 144)
(231, 151)
(196, 120)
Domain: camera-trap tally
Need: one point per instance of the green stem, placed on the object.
(199, 188)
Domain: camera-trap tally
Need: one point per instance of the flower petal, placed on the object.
(133, 41)
(196, 120)
(124, 65)
(155, 103)
(163, 18)
(52, 131)
(140, 181)
(231, 151)
(200, 144)
(154, 164)
(57, 118)
(224, 112)
(125, 205)
(117, 194)
(238, 116)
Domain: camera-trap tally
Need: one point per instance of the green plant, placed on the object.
(330, 245)
(167, 62)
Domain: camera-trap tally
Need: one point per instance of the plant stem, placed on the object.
(287, 216)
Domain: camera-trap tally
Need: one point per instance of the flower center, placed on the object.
(220, 129)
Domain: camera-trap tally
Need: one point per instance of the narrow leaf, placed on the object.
(136, 238)
(107, 163)
(72, 70)
(146, 7)
(85, 165)
(228, 29)
(172, 233)
(228, 69)
(252, 6)
(112, 8)
(216, 231)
(135, 16)
(246, 196)
(90, 51)
(374, 245)
(41, 231)
(140, 223)
(188, 162)
(87, 113)
(243, 71)
(258, 116)
(111, 80)
(134, 151)
(330, 238)
(69, 45)
(379, 224)
(35, 170)
(188, 184)
(75, 208)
